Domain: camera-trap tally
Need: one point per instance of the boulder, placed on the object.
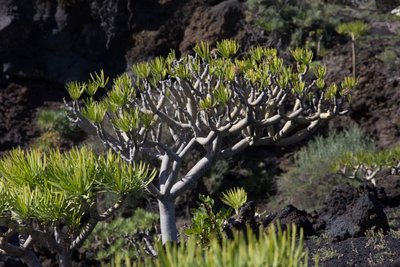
(288, 216)
(245, 218)
(350, 212)
(388, 188)
(212, 23)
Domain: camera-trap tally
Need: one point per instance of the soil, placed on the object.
(47, 44)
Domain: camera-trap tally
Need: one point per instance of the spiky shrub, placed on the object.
(172, 106)
(234, 198)
(272, 248)
(51, 199)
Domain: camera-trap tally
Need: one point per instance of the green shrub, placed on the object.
(311, 174)
(206, 224)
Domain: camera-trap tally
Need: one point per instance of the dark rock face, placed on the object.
(213, 23)
(387, 5)
(245, 218)
(12, 109)
(291, 215)
(388, 188)
(375, 102)
(66, 40)
(350, 212)
(62, 40)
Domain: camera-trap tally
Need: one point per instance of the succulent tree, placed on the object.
(51, 199)
(210, 99)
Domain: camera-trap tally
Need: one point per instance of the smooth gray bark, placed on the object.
(167, 219)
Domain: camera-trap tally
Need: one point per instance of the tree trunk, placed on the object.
(169, 233)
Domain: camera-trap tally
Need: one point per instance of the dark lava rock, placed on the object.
(62, 40)
(291, 215)
(245, 218)
(213, 23)
(387, 5)
(388, 188)
(350, 212)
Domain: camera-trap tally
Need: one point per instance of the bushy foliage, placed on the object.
(312, 175)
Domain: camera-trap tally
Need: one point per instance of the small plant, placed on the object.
(206, 224)
(327, 253)
(354, 29)
(234, 198)
(47, 141)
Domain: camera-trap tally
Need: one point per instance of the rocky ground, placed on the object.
(45, 44)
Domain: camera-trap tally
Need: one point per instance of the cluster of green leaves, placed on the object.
(311, 174)
(57, 187)
(206, 224)
(353, 29)
(110, 238)
(235, 198)
(271, 248)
